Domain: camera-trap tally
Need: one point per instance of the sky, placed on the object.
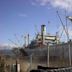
(20, 17)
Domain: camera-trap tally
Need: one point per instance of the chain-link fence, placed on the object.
(53, 56)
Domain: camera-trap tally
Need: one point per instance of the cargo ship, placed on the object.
(46, 51)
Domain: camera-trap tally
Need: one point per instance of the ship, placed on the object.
(47, 52)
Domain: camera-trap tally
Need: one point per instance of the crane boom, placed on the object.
(13, 42)
(63, 26)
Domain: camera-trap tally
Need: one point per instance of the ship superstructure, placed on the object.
(43, 38)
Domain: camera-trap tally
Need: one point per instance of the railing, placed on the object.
(48, 69)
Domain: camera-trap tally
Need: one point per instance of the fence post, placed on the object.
(30, 61)
(69, 53)
(48, 54)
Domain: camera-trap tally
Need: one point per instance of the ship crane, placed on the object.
(13, 42)
(17, 39)
(66, 31)
(36, 30)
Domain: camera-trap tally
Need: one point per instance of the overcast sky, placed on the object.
(20, 17)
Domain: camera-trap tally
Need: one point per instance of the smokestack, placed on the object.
(43, 33)
(43, 29)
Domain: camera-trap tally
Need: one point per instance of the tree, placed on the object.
(2, 65)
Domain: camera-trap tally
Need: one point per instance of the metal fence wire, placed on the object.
(55, 56)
